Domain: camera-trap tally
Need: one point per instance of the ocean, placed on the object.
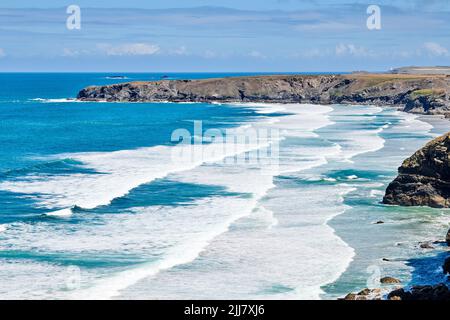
(98, 202)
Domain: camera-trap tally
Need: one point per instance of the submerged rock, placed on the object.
(426, 245)
(389, 280)
(424, 178)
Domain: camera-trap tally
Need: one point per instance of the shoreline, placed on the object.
(424, 258)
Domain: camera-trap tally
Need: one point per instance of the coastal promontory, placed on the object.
(418, 93)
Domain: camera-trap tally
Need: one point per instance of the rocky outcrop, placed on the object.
(438, 292)
(446, 266)
(428, 94)
(365, 294)
(389, 280)
(424, 178)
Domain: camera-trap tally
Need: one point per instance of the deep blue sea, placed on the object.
(96, 202)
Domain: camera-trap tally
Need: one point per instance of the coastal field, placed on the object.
(95, 207)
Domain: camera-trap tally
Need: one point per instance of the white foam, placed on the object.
(120, 171)
(294, 240)
(59, 100)
(292, 159)
(61, 213)
(265, 108)
(412, 121)
(376, 193)
(236, 177)
(192, 241)
(247, 260)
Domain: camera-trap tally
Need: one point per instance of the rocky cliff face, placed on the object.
(424, 178)
(415, 93)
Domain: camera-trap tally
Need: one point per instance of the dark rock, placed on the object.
(447, 238)
(438, 292)
(446, 266)
(350, 296)
(426, 245)
(424, 178)
(379, 222)
(399, 294)
(389, 280)
(364, 292)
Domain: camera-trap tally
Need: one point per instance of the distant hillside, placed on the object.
(428, 94)
(422, 70)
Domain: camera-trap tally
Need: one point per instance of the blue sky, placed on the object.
(222, 35)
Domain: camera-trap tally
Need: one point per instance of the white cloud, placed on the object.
(256, 54)
(209, 54)
(181, 51)
(321, 26)
(351, 50)
(435, 49)
(2, 53)
(313, 53)
(67, 52)
(130, 49)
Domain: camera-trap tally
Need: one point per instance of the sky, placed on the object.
(222, 35)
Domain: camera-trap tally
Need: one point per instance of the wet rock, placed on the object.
(426, 245)
(433, 293)
(446, 266)
(399, 294)
(365, 294)
(447, 238)
(389, 280)
(350, 296)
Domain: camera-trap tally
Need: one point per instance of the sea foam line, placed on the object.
(121, 171)
(110, 287)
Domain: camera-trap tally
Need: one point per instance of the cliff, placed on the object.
(424, 178)
(428, 94)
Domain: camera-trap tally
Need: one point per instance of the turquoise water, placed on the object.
(94, 205)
